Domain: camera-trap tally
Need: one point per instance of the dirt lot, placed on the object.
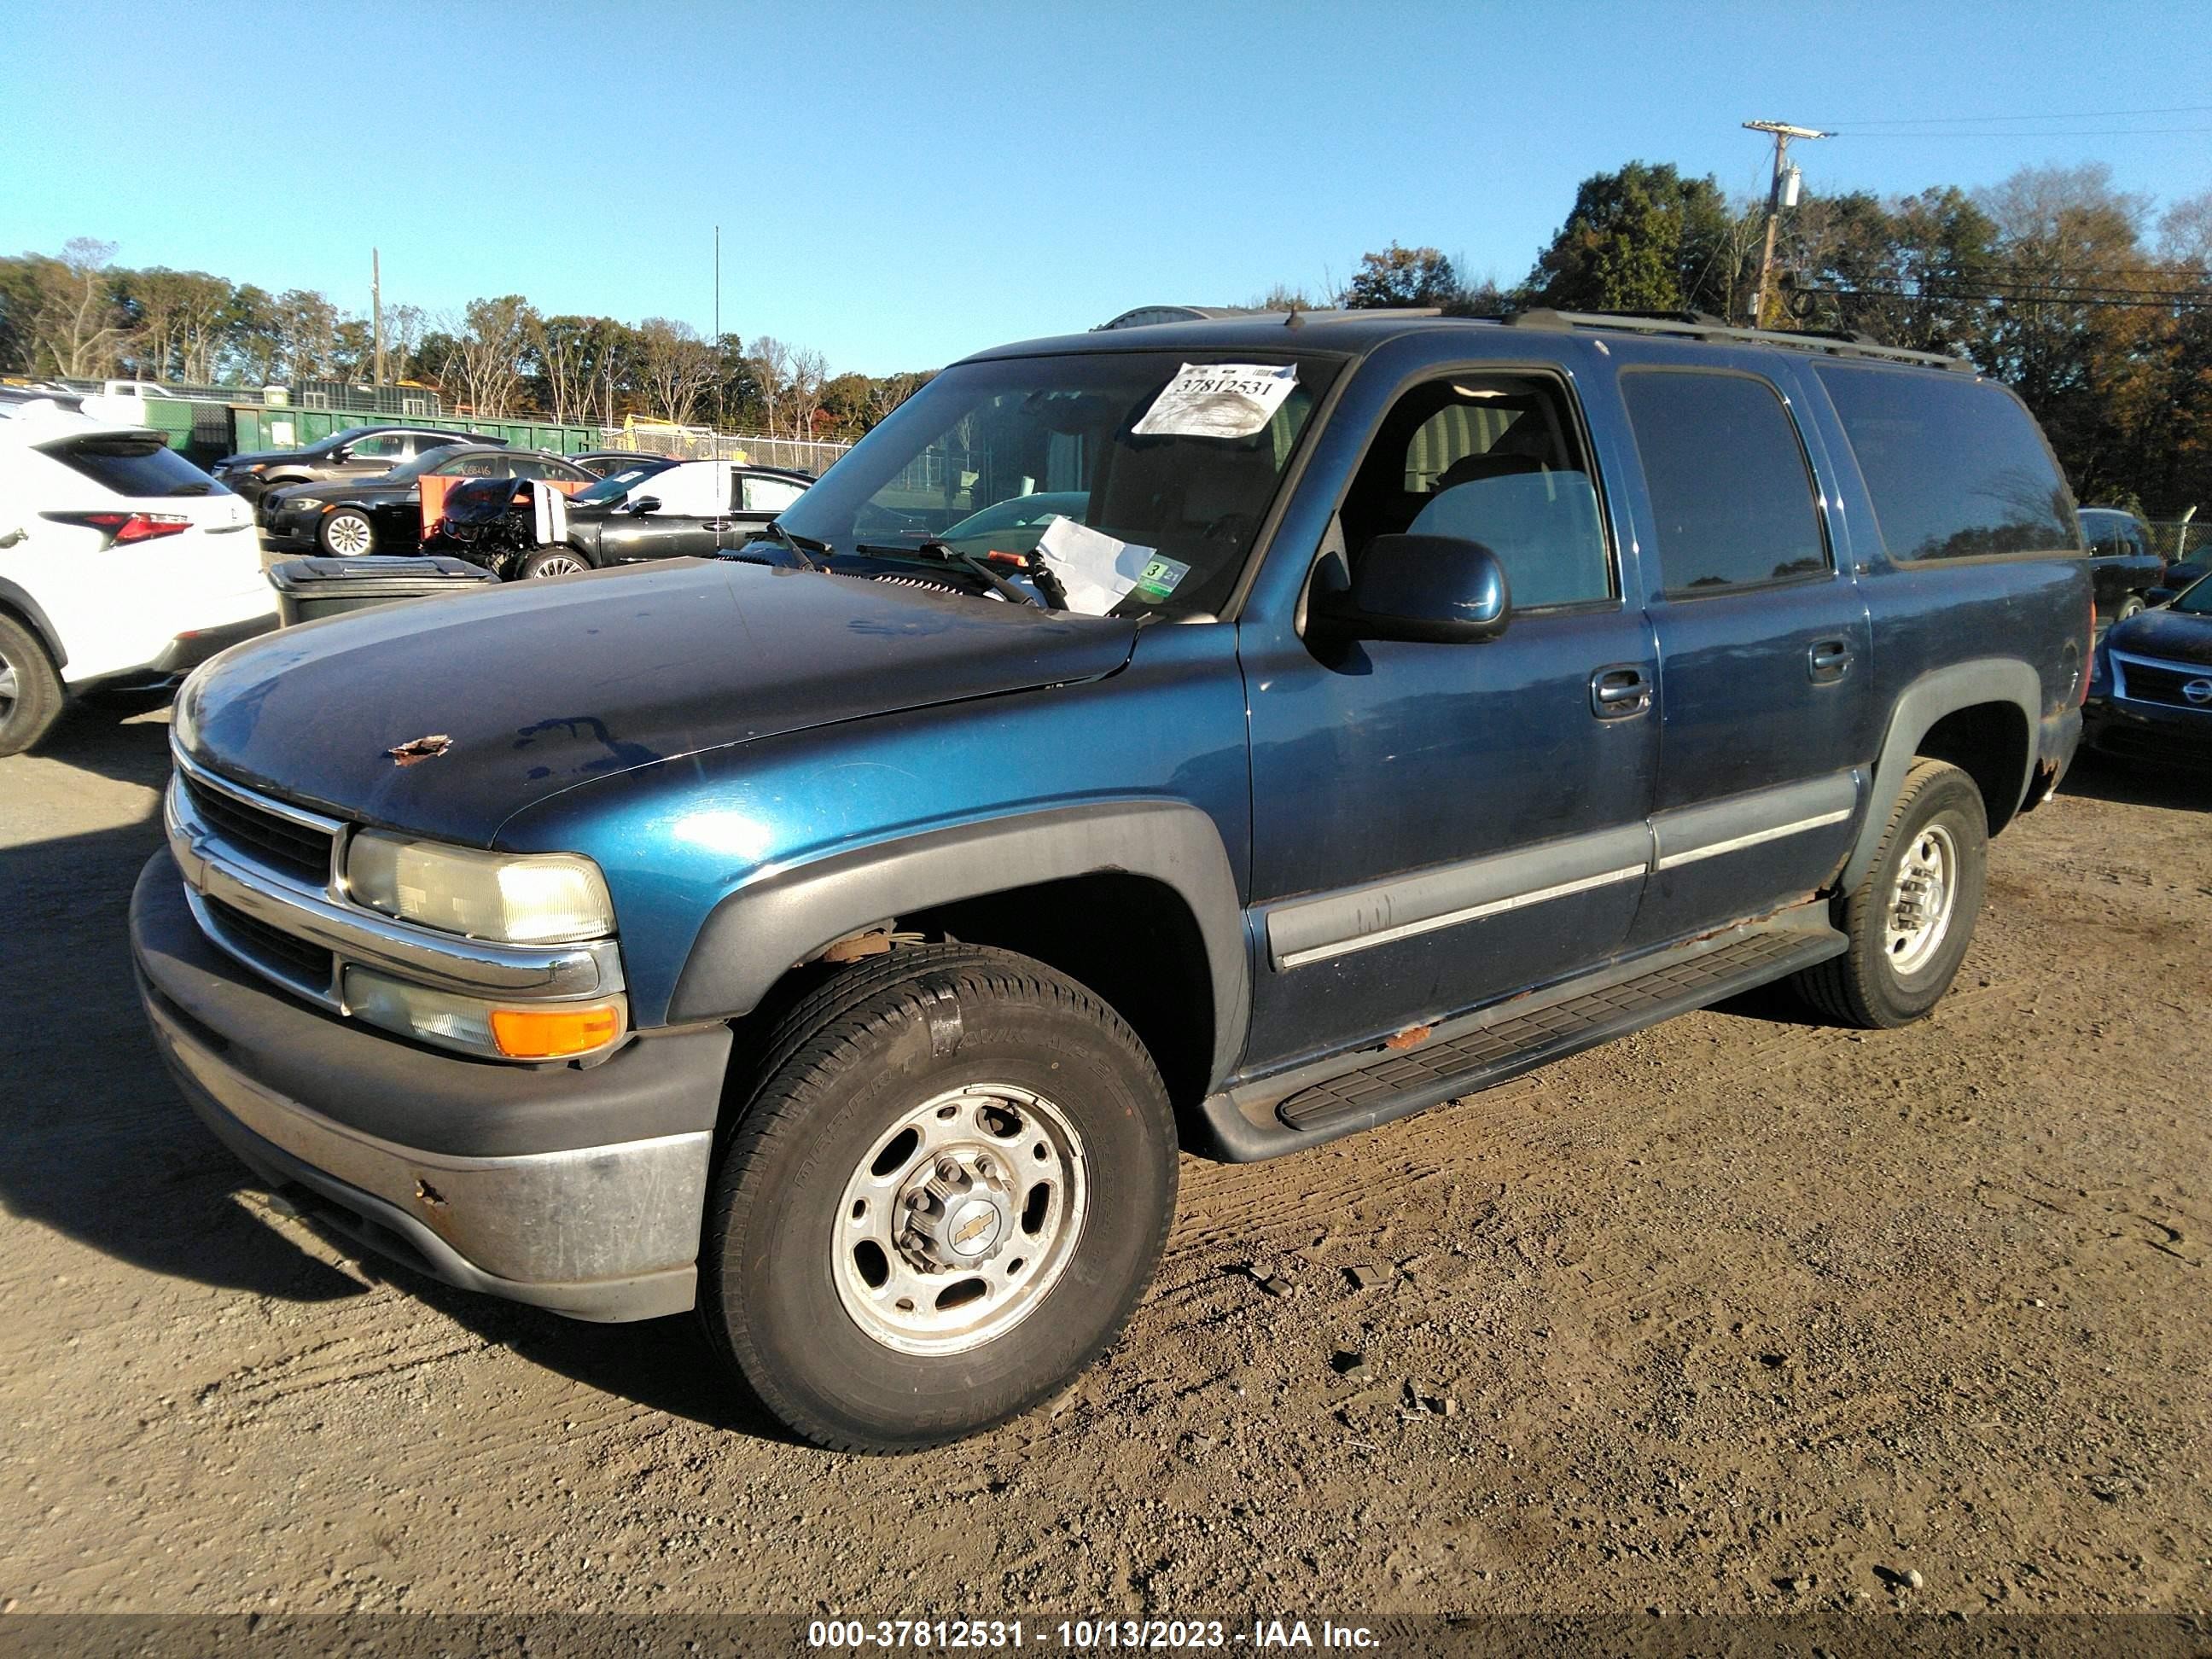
(1742, 1313)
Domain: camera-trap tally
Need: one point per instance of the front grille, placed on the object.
(272, 950)
(2162, 683)
(295, 849)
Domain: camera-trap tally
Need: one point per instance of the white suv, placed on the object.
(121, 561)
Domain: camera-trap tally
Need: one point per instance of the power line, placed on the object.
(2029, 115)
(2026, 132)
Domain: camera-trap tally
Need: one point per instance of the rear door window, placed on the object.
(759, 495)
(1732, 499)
(1956, 467)
(141, 466)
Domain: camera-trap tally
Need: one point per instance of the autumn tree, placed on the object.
(1402, 276)
(1644, 239)
(675, 368)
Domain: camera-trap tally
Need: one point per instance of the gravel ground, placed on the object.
(1740, 1314)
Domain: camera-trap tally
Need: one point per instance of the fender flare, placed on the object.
(13, 599)
(753, 936)
(1918, 707)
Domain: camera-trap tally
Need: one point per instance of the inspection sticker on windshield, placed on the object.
(1159, 578)
(1218, 400)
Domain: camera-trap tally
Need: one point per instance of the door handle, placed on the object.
(1827, 660)
(1618, 692)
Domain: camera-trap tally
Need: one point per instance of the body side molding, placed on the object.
(755, 934)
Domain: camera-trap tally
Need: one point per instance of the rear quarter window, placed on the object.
(141, 467)
(1956, 468)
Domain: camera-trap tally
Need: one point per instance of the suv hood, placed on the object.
(542, 686)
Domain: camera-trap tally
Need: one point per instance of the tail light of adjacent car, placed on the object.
(120, 527)
(2089, 653)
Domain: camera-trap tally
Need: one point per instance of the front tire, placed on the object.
(347, 534)
(2132, 606)
(31, 692)
(1910, 919)
(943, 1200)
(554, 562)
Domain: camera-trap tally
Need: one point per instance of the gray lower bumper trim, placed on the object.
(600, 1232)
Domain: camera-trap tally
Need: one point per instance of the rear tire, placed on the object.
(347, 534)
(2132, 606)
(31, 692)
(943, 1200)
(1910, 919)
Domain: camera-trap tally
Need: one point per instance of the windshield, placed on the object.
(990, 457)
(616, 485)
(2197, 601)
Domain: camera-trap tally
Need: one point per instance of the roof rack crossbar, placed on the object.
(1699, 326)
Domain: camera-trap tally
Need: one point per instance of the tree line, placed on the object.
(2097, 314)
(79, 314)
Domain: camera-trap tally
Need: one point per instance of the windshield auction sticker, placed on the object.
(1218, 400)
(1095, 570)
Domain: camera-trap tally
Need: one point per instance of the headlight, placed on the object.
(308, 504)
(540, 898)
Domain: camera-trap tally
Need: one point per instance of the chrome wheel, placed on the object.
(7, 692)
(961, 1219)
(1922, 900)
(348, 535)
(557, 564)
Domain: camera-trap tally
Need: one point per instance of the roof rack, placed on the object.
(1700, 325)
(1357, 314)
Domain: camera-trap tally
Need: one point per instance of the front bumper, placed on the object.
(286, 527)
(577, 1190)
(2153, 732)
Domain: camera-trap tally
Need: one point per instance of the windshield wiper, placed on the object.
(804, 546)
(1049, 596)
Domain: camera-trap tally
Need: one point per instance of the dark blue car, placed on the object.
(1226, 735)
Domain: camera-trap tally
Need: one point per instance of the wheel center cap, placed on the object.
(972, 1228)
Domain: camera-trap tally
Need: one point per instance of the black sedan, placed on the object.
(357, 452)
(384, 515)
(687, 509)
(2122, 568)
(2150, 693)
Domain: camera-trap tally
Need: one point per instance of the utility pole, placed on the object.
(1783, 132)
(376, 308)
(719, 421)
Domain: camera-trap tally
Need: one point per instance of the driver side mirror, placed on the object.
(646, 504)
(2159, 595)
(1435, 589)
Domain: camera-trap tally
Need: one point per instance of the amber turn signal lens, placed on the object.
(552, 1033)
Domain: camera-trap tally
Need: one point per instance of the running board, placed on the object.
(1295, 1109)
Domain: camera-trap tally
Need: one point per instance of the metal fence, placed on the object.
(699, 443)
(2173, 540)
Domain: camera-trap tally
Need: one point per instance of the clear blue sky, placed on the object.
(900, 183)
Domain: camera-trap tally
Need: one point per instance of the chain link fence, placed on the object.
(2175, 539)
(700, 443)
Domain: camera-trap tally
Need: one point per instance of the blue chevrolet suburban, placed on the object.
(842, 937)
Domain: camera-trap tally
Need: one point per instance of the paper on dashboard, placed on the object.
(1097, 571)
(1218, 400)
